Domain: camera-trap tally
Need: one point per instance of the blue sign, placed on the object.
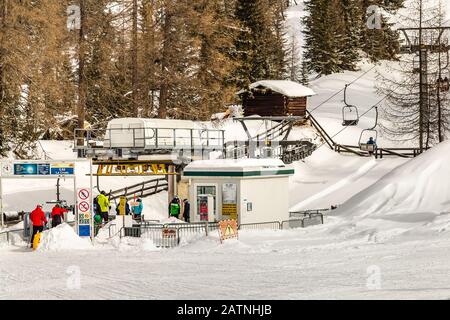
(61, 169)
(44, 169)
(25, 169)
(84, 230)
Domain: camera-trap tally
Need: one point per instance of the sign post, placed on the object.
(228, 229)
(35, 169)
(229, 200)
(84, 212)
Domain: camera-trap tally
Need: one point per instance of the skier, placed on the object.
(186, 210)
(175, 207)
(137, 210)
(371, 141)
(38, 220)
(58, 215)
(104, 206)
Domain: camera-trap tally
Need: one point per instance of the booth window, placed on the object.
(211, 190)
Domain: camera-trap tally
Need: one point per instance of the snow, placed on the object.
(330, 261)
(327, 178)
(393, 216)
(288, 88)
(235, 163)
(61, 238)
(414, 193)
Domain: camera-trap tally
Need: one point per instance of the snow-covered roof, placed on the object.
(287, 88)
(153, 123)
(238, 168)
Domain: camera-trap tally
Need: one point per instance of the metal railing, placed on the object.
(292, 224)
(274, 225)
(172, 234)
(7, 236)
(142, 190)
(300, 214)
(148, 138)
(288, 151)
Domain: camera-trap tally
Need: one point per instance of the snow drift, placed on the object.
(63, 237)
(415, 192)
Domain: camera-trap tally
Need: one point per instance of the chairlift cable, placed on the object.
(337, 93)
(362, 115)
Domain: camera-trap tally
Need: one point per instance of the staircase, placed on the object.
(140, 190)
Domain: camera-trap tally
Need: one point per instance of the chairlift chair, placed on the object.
(350, 114)
(366, 134)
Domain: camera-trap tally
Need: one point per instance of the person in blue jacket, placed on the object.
(371, 141)
(137, 210)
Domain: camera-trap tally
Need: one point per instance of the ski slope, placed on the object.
(395, 224)
(388, 239)
(327, 178)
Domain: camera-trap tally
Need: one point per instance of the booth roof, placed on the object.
(237, 167)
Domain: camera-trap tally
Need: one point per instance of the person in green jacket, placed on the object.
(104, 205)
(175, 207)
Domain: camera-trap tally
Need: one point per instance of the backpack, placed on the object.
(174, 209)
(96, 206)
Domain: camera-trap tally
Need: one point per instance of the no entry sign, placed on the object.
(84, 206)
(83, 194)
(84, 216)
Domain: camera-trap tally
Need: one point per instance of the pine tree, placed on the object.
(380, 44)
(402, 113)
(304, 80)
(214, 63)
(323, 41)
(350, 27)
(259, 45)
(294, 67)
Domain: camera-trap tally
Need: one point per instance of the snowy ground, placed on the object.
(388, 239)
(300, 264)
(390, 254)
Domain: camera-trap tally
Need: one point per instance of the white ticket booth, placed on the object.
(247, 190)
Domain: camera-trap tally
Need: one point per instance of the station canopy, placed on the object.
(238, 168)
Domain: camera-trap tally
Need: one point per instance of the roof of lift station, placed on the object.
(159, 123)
(238, 168)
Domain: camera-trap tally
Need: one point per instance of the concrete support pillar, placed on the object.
(172, 183)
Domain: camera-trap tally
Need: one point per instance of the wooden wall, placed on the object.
(274, 104)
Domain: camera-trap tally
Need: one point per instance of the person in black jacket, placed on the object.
(186, 210)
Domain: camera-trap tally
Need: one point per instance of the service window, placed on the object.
(202, 192)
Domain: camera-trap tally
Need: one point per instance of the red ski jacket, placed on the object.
(59, 211)
(38, 218)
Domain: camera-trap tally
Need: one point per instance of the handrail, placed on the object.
(140, 137)
(139, 186)
(321, 130)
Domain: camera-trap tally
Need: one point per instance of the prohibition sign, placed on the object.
(83, 206)
(83, 194)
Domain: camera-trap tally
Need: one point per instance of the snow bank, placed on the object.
(412, 199)
(415, 191)
(135, 245)
(63, 237)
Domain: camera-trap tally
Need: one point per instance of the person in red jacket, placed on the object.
(58, 215)
(38, 220)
